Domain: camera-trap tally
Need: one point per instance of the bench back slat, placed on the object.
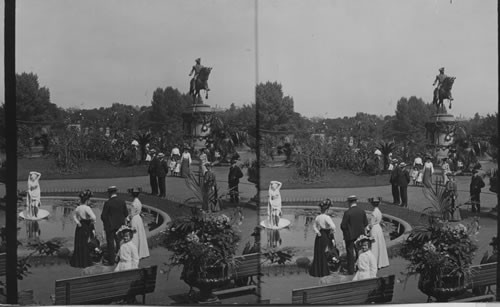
(3, 264)
(484, 275)
(247, 265)
(106, 287)
(373, 290)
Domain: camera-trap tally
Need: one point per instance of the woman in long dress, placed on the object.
(84, 218)
(379, 248)
(428, 171)
(366, 263)
(128, 257)
(324, 228)
(34, 193)
(274, 203)
(136, 223)
(185, 163)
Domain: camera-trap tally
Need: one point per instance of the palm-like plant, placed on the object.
(438, 198)
(143, 138)
(226, 137)
(201, 194)
(386, 148)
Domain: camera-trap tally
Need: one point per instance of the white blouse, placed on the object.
(377, 217)
(83, 212)
(323, 221)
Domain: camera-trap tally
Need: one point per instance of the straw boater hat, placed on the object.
(112, 189)
(352, 198)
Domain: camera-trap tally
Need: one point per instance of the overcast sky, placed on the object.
(334, 58)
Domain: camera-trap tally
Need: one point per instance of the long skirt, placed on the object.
(379, 248)
(185, 171)
(427, 178)
(140, 240)
(81, 254)
(319, 266)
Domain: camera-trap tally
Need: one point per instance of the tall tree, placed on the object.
(33, 102)
(275, 110)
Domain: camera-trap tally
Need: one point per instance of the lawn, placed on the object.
(89, 169)
(332, 179)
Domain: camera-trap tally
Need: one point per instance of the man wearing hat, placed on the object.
(233, 179)
(402, 180)
(353, 225)
(161, 173)
(152, 169)
(113, 216)
(393, 179)
(439, 80)
(476, 185)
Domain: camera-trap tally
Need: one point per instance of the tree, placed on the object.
(275, 110)
(386, 148)
(33, 102)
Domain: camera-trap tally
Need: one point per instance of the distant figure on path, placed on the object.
(403, 180)
(379, 247)
(324, 228)
(274, 203)
(137, 224)
(394, 183)
(233, 181)
(185, 163)
(152, 168)
(353, 225)
(34, 194)
(428, 171)
(476, 185)
(128, 257)
(113, 216)
(367, 265)
(210, 184)
(84, 218)
(161, 173)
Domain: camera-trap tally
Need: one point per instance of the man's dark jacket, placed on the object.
(353, 223)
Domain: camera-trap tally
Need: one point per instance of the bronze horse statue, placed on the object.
(200, 83)
(444, 92)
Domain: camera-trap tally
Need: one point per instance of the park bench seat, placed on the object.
(247, 266)
(484, 275)
(106, 288)
(373, 290)
(3, 264)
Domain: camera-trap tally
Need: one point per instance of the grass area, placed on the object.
(336, 179)
(89, 169)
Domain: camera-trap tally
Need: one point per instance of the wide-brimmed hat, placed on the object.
(112, 188)
(84, 195)
(123, 229)
(325, 203)
(363, 238)
(352, 198)
(135, 190)
(402, 164)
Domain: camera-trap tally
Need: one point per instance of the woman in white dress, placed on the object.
(139, 238)
(274, 203)
(379, 248)
(33, 196)
(128, 257)
(427, 172)
(367, 265)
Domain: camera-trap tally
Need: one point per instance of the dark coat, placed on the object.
(235, 174)
(403, 177)
(153, 166)
(394, 175)
(162, 168)
(114, 213)
(476, 184)
(353, 223)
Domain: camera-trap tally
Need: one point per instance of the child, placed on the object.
(128, 256)
(414, 175)
(367, 264)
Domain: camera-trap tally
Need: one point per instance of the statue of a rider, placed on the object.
(196, 70)
(439, 80)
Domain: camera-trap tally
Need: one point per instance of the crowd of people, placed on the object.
(364, 242)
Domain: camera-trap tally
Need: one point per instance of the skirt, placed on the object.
(81, 255)
(140, 240)
(319, 266)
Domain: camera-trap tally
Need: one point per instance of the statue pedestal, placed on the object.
(440, 134)
(196, 123)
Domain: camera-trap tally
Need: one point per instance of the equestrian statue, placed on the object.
(199, 81)
(443, 89)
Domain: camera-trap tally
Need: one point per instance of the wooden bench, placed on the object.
(107, 287)
(248, 266)
(373, 290)
(484, 275)
(3, 264)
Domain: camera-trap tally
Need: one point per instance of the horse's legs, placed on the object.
(206, 94)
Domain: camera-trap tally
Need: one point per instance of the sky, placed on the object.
(333, 57)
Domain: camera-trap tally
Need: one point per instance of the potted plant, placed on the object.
(204, 244)
(442, 254)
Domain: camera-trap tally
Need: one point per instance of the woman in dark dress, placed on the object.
(84, 218)
(324, 228)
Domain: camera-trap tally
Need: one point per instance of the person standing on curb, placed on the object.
(161, 173)
(233, 180)
(476, 185)
(394, 183)
(113, 216)
(353, 225)
(403, 180)
(153, 166)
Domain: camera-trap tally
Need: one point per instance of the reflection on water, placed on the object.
(32, 229)
(273, 238)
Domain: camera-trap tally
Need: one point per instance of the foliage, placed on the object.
(201, 240)
(439, 250)
(225, 136)
(276, 255)
(201, 195)
(386, 148)
(438, 198)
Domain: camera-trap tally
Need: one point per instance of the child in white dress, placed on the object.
(128, 256)
(367, 264)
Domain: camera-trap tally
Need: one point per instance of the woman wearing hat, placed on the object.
(127, 257)
(185, 163)
(367, 265)
(379, 248)
(84, 218)
(139, 238)
(324, 228)
(428, 171)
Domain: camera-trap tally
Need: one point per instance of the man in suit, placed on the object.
(161, 173)
(353, 225)
(233, 180)
(403, 179)
(153, 166)
(113, 216)
(394, 182)
(476, 184)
